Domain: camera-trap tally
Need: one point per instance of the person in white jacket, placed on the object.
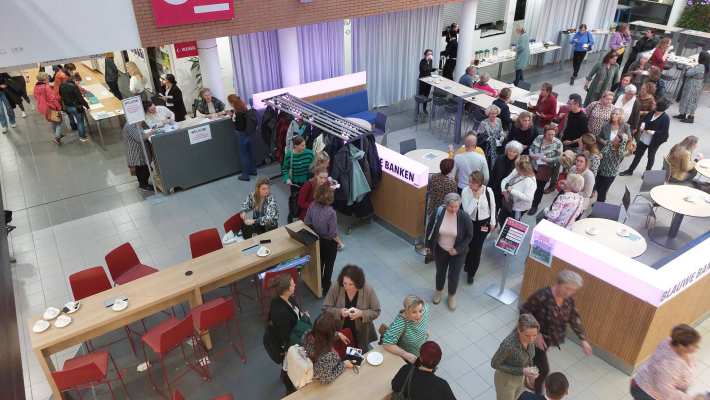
(479, 202)
(518, 190)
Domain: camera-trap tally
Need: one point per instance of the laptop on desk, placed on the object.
(303, 236)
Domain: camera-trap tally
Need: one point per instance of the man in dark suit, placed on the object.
(556, 388)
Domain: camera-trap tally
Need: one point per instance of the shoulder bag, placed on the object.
(54, 115)
(302, 326)
(507, 201)
(404, 392)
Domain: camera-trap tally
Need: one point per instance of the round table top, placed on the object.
(682, 200)
(361, 122)
(606, 232)
(703, 167)
(429, 157)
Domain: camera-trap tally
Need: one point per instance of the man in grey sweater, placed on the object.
(469, 161)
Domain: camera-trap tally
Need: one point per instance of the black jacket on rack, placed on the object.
(268, 128)
(342, 171)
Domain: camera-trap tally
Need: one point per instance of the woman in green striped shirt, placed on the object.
(295, 171)
(409, 330)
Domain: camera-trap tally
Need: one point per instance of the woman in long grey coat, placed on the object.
(522, 54)
(602, 77)
(693, 88)
(355, 305)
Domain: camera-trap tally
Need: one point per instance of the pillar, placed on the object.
(210, 68)
(591, 13)
(467, 28)
(288, 57)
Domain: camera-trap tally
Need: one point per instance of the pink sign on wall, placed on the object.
(184, 12)
(403, 167)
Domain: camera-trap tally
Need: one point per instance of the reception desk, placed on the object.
(200, 150)
(627, 307)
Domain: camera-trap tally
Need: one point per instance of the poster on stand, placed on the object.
(133, 109)
(511, 236)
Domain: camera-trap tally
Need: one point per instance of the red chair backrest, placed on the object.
(172, 338)
(121, 259)
(216, 312)
(89, 282)
(177, 395)
(234, 224)
(269, 276)
(204, 242)
(81, 375)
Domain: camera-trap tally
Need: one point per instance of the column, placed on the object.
(591, 13)
(210, 68)
(467, 28)
(288, 56)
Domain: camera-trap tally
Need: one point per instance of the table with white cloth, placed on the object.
(681, 200)
(459, 91)
(503, 56)
(612, 234)
(429, 157)
(703, 167)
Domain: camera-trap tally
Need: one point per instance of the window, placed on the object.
(490, 12)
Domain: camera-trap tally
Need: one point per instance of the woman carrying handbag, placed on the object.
(49, 105)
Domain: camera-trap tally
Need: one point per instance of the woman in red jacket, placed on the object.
(49, 105)
(308, 190)
(546, 107)
(658, 58)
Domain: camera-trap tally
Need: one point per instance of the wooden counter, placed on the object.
(170, 286)
(371, 383)
(400, 205)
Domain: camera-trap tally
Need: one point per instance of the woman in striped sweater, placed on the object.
(295, 171)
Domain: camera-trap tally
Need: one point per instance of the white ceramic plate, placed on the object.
(263, 251)
(591, 231)
(40, 326)
(62, 321)
(72, 306)
(623, 232)
(50, 313)
(375, 358)
(119, 305)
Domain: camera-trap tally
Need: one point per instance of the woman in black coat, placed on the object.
(448, 235)
(425, 68)
(503, 166)
(172, 95)
(652, 134)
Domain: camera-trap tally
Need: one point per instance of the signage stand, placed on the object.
(511, 237)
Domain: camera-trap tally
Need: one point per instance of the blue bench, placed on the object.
(352, 105)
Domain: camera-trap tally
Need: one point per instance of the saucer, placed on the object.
(375, 358)
(119, 305)
(692, 199)
(50, 313)
(592, 231)
(623, 232)
(263, 251)
(72, 307)
(62, 321)
(40, 326)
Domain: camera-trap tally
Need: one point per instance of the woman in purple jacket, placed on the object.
(619, 40)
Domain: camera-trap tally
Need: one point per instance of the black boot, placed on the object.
(679, 116)
(689, 119)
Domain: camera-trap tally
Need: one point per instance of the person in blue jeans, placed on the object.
(582, 40)
(74, 103)
(6, 111)
(244, 120)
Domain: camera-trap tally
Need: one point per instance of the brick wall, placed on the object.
(263, 15)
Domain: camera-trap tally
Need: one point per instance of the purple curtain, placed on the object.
(320, 50)
(256, 63)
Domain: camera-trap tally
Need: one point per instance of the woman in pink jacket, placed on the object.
(49, 105)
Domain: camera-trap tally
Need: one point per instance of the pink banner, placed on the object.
(184, 12)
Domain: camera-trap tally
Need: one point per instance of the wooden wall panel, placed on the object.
(400, 205)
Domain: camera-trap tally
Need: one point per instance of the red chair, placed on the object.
(84, 371)
(266, 292)
(204, 242)
(215, 313)
(124, 265)
(178, 396)
(87, 283)
(168, 336)
(234, 224)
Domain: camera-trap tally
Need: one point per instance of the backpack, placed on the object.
(298, 366)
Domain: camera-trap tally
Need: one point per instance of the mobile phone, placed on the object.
(109, 302)
(264, 241)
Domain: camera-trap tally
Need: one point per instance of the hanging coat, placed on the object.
(341, 171)
(358, 186)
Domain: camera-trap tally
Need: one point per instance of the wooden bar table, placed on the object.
(170, 286)
(371, 383)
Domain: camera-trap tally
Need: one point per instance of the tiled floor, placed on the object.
(74, 203)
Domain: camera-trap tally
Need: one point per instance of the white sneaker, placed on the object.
(24, 114)
(13, 125)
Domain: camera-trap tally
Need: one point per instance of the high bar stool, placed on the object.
(419, 99)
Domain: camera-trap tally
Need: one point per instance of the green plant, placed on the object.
(696, 16)
(195, 69)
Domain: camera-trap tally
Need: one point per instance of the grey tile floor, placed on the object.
(74, 203)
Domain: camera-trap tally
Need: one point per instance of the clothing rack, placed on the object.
(326, 121)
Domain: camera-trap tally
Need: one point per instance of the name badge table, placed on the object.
(170, 286)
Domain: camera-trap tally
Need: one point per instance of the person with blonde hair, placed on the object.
(49, 104)
(660, 53)
(264, 208)
(591, 149)
(518, 190)
(615, 126)
(490, 133)
(513, 361)
(523, 131)
(522, 53)
(680, 160)
(136, 84)
(409, 330)
(479, 202)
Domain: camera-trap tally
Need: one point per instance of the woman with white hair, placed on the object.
(209, 105)
(639, 69)
(409, 330)
(482, 84)
(566, 207)
(490, 133)
(554, 308)
(448, 235)
(629, 104)
(503, 166)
